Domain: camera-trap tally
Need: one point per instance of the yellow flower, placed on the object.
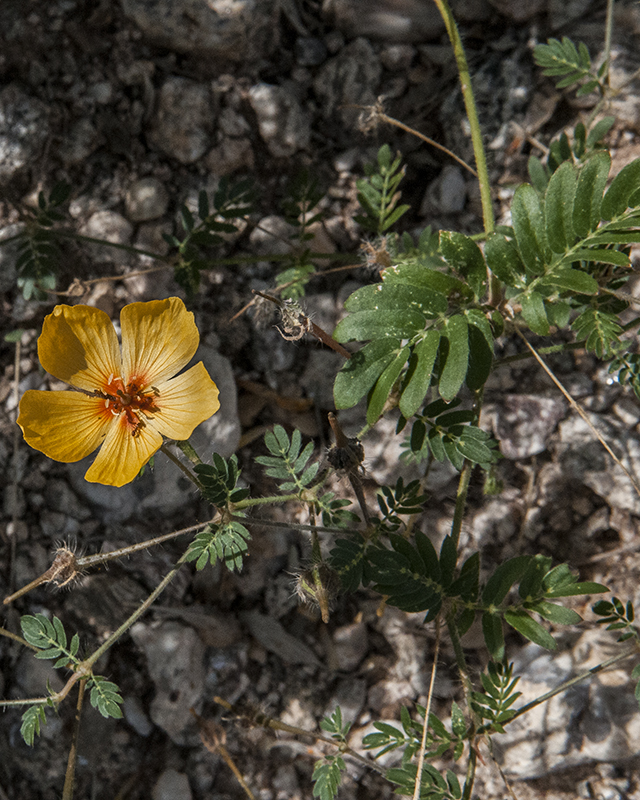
(128, 399)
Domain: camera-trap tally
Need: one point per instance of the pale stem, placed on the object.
(427, 711)
(175, 460)
(264, 721)
(70, 775)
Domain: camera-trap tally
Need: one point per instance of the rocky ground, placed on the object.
(139, 105)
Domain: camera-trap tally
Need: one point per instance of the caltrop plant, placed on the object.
(425, 335)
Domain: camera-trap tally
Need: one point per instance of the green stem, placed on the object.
(471, 774)
(472, 114)
(88, 663)
(175, 460)
(494, 285)
(461, 501)
(567, 685)
(608, 33)
(169, 259)
(467, 686)
(190, 452)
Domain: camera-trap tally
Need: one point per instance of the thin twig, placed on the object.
(581, 412)
(70, 774)
(427, 711)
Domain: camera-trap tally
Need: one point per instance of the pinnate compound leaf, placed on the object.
(32, 720)
(326, 777)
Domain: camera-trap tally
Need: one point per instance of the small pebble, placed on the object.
(146, 199)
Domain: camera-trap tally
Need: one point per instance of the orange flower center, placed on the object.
(131, 401)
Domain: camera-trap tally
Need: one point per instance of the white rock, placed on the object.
(24, 128)
(172, 785)
(182, 123)
(283, 124)
(146, 199)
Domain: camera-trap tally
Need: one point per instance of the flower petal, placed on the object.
(78, 345)
(66, 426)
(122, 455)
(158, 339)
(185, 402)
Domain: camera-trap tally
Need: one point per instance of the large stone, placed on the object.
(234, 30)
(596, 720)
(174, 656)
(24, 128)
(397, 21)
(183, 121)
(283, 124)
(349, 79)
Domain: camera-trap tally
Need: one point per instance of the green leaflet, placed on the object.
(555, 613)
(493, 635)
(626, 182)
(573, 280)
(588, 201)
(465, 256)
(362, 370)
(365, 325)
(385, 384)
(480, 349)
(529, 628)
(427, 276)
(534, 313)
(419, 374)
(528, 225)
(397, 297)
(559, 203)
(457, 359)
(503, 578)
(539, 174)
(504, 261)
(603, 256)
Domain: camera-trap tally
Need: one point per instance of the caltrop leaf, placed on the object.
(559, 202)
(384, 385)
(504, 260)
(362, 370)
(457, 357)
(326, 776)
(529, 628)
(419, 374)
(626, 182)
(465, 257)
(529, 228)
(588, 200)
(533, 312)
(32, 720)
